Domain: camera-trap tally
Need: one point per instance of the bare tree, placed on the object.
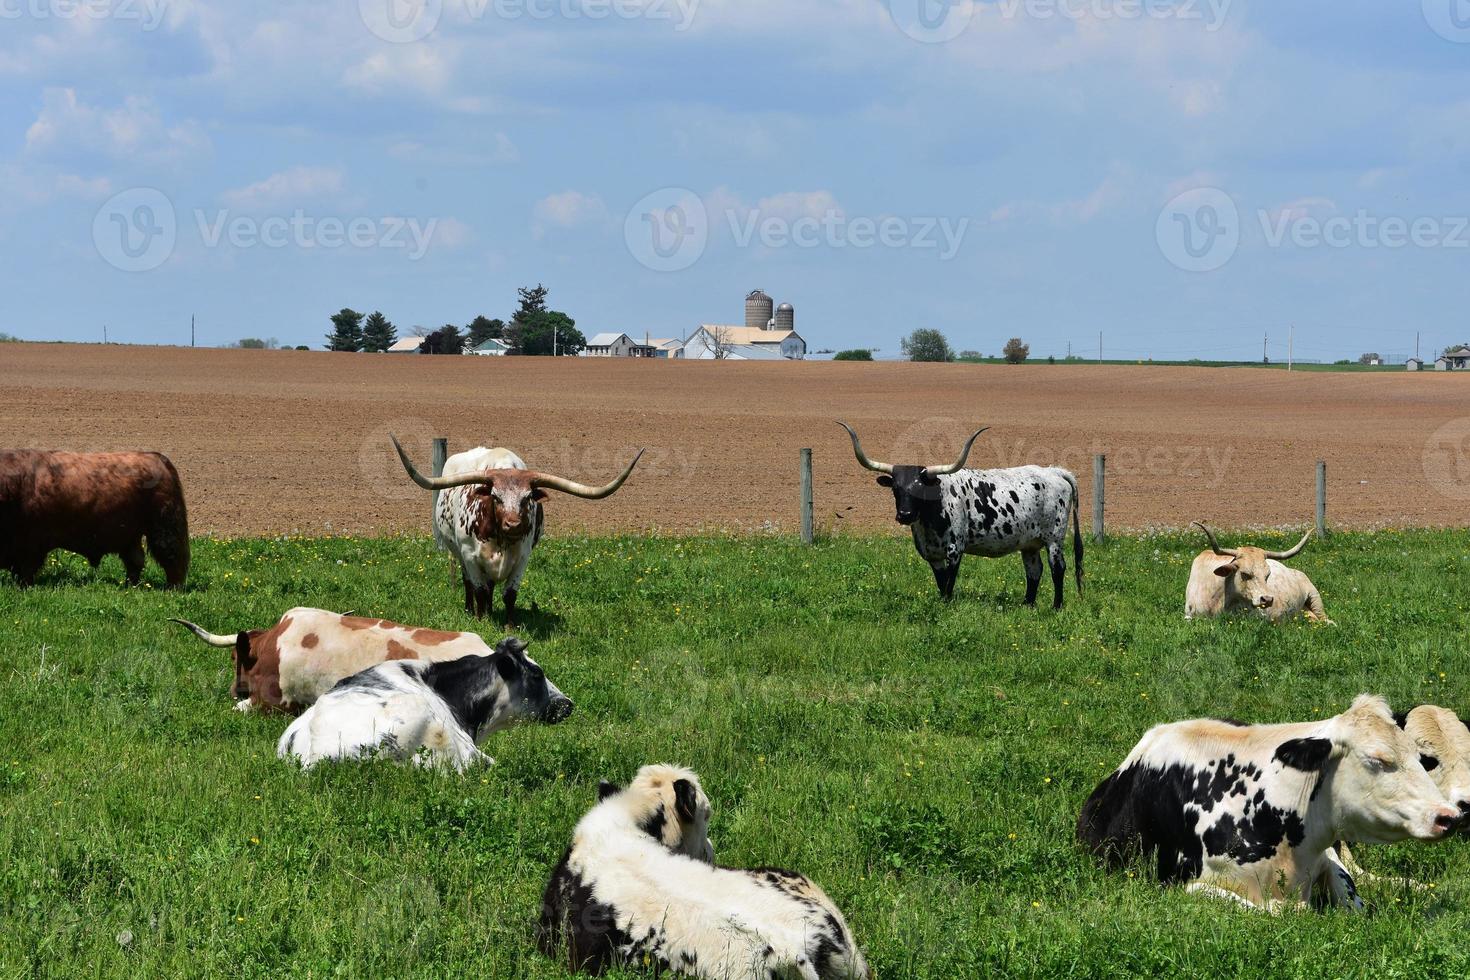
(720, 340)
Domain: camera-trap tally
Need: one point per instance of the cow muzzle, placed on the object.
(558, 711)
(1266, 601)
(906, 517)
(1447, 821)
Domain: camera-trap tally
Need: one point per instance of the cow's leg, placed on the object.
(1056, 557)
(1215, 891)
(25, 567)
(133, 560)
(512, 587)
(484, 600)
(1032, 561)
(509, 598)
(944, 577)
(469, 594)
(1340, 889)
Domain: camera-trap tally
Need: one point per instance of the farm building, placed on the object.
(609, 345)
(1414, 364)
(712, 337)
(665, 346)
(491, 348)
(1454, 359)
(408, 345)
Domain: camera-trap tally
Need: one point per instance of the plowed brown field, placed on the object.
(283, 441)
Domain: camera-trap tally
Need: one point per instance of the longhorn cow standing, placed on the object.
(490, 516)
(954, 512)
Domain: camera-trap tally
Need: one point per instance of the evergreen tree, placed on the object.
(446, 340)
(346, 331)
(482, 329)
(378, 333)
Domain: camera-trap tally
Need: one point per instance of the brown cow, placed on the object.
(296, 661)
(94, 504)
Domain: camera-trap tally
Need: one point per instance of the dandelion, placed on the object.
(1047, 779)
(255, 840)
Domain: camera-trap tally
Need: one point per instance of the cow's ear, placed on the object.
(885, 480)
(243, 656)
(606, 789)
(1226, 570)
(539, 495)
(1306, 754)
(686, 801)
(1401, 718)
(1429, 762)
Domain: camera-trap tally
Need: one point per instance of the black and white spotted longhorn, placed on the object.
(954, 512)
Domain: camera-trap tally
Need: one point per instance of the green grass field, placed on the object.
(925, 763)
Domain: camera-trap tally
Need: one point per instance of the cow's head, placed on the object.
(668, 804)
(916, 489)
(529, 695)
(1444, 750)
(1379, 790)
(505, 500)
(1247, 576)
(244, 663)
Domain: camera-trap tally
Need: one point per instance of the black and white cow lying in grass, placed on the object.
(1251, 812)
(638, 886)
(433, 714)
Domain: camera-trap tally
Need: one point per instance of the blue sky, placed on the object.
(1182, 176)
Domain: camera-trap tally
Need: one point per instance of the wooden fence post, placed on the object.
(441, 453)
(806, 496)
(1099, 486)
(1321, 498)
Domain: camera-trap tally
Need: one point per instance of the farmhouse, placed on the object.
(609, 345)
(491, 348)
(408, 345)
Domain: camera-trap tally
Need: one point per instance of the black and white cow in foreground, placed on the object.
(1251, 812)
(433, 714)
(954, 512)
(639, 886)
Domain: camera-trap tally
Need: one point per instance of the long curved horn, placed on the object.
(1283, 555)
(959, 463)
(440, 482)
(862, 457)
(551, 482)
(1215, 545)
(213, 639)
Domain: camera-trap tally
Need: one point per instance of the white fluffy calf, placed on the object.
(638, 886)
(429, 713)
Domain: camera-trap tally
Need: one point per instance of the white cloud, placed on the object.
(1110, 192)
(502, 152)
(133, 131)
(566, 210)
(299, 185)
(1303, 207)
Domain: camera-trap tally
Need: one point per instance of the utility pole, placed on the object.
(1265, 349)
(1291, 347)
(1069, 350)
(191, 330)
(104, 333)
(1416, 345)
(553, 340)
(1099, 347)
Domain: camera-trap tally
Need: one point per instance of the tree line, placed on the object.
(532, 330)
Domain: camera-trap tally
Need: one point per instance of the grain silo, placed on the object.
(785, 317)
(758, 310)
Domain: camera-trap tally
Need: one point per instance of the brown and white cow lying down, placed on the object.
(93, 504)
(296, 661)
(1236, 580)
(1251, 812)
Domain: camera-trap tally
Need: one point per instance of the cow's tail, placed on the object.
(1076, 532)
(213, 639)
